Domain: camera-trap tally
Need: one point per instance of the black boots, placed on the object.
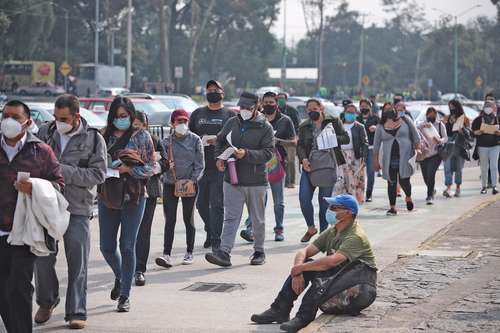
(294, 325)
(271, 316)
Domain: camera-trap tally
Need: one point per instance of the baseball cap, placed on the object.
(347, 102)
(346, 200)
(247, 100)
(214, 83)
(179, 114)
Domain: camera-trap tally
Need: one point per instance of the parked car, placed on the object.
(44, 112)
(299, 103)
(262, 90)
(172, 101)
(40, 88)
(158, 113)
(448, 97)
(111, 92)
(418, 111)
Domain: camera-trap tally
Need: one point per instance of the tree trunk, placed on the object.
(320, 46)
(164, 45)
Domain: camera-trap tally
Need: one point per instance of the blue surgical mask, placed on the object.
(122, 124)
(402, 113)
(350, 117)
(331, 217)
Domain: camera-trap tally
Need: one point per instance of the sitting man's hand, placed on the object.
(298, 284)
(296, 270)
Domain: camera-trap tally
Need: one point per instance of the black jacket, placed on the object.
(257, 138)
(372, 120)
(359, 141)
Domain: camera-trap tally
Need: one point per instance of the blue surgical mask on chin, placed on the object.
(331, 217)
(122, 124)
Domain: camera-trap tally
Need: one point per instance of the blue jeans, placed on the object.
(453, 165)
(279, 206)
(370, 174)
(128, 220)
(306, 192)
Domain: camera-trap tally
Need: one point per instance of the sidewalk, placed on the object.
(450, 284)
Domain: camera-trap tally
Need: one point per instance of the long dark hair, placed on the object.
(459, 111)
(384, 118)
(117, 103)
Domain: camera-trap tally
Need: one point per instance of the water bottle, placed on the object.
(233, 175)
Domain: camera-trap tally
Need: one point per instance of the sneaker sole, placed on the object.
(162, 263)
(140, 284)
(214, 261)
(256, 320)
(257, 263)
(187, 262)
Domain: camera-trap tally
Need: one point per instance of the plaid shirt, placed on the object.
(34, 157)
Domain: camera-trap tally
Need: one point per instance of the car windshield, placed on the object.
(150, 106)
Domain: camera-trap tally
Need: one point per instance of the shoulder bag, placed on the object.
(184, 188)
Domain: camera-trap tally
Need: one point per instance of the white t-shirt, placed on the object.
(347, 128)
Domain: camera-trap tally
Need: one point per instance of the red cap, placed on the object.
(178, 115)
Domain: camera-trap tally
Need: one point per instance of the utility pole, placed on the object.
(96, 37)
(361, 53)
(112, 56)
(129, 45)
(455, 65)
(417, 69)
(284, 60)
(319, 83)
(66, 44)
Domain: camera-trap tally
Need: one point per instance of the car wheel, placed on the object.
(48, 93)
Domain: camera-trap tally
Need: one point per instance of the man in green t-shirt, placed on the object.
(342, 282)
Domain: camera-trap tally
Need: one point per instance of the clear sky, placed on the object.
(296, 27)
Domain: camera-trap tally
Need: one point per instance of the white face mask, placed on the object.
(246, 114)
(11, 128)
(181, 129)
(488, 110)
(63, 128)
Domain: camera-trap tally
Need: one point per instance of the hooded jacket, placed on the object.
(257, 138)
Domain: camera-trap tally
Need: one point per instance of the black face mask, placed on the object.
(214, 97)
(365, 111)
(269, 109)
(431, 119)
(314, 115)
(391, 114)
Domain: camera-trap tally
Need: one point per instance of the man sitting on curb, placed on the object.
(342, 282)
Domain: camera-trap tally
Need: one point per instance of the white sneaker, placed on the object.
(188, 259)
(164, 261)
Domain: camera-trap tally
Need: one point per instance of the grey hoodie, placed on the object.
(83, 165)
(188, 156)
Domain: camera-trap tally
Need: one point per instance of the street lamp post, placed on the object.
(455, 62)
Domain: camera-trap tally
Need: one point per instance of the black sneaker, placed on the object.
(123, 304)
(409, 205)
(429, 200)
(115, 292)
(270, 316)
(140, 280)
(483, 190)
(294, 325)
(207, 243)
(246, 235)
(258, 258)
(219, 258)
(494, 191)
(368, 199)
(392, 212)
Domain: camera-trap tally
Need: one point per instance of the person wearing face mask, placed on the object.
(20, 151)
(309, 131)
(245, 178)
(401, 110)
(399, 141)
(459, 134)
(184, 152)
(352, 175)
(433, 134)
(349, 258)
(208, 121)
(121, 200)
(490, 98)
(290, 147)
(283, 132)
(81, 151)
(370, 120)
(487, 133)
(154, 190)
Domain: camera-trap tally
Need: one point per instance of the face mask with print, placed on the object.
(11, 128)
(63, 127)
(350, 117)
(122, 124)
(181, 129)
(331, 217)
(246, 114)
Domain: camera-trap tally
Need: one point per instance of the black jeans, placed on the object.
(210, 204)
(144, 236)
(316, 295)
(392, 185)
(170, 202)
(429, 168)
(16, 291)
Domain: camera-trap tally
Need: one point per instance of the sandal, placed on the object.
(308, 235)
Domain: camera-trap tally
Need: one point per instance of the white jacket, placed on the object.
(44, 208)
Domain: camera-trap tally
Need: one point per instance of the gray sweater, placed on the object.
(188, 156)
(407, 138)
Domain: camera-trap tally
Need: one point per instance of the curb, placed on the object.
(324, 319)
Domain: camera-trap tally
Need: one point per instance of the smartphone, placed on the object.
(116, 164)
